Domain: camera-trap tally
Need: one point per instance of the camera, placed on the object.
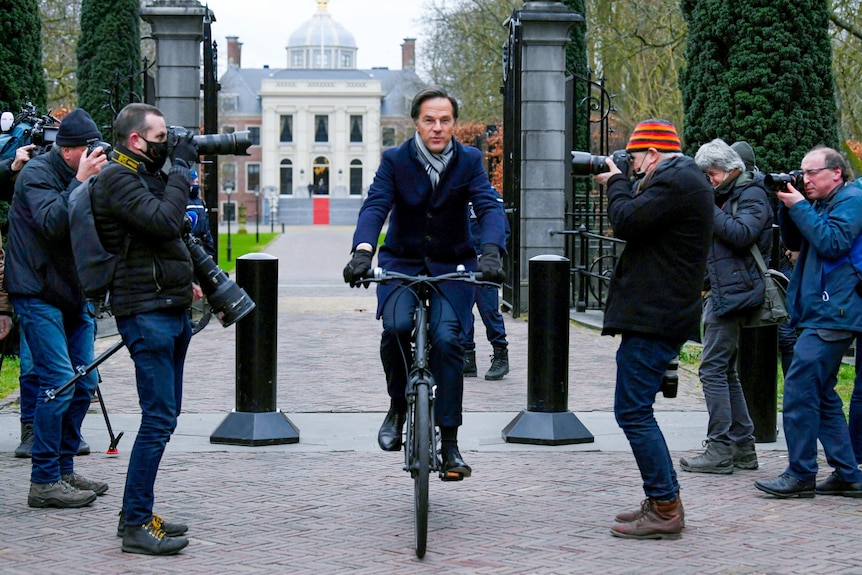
(670, 380)
(586, 164)
(228, 301)
(29, 128)
(778, 182)
(97, 143)
(235, 144)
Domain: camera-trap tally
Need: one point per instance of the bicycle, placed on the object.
(421, 455)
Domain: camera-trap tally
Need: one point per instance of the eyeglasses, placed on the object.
(813, 171)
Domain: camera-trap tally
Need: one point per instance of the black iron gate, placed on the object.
(512, 162)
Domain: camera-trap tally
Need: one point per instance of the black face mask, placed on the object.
(157, 152)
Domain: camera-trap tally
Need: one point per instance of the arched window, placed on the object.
(355, 178)
(286, 188)
(321, 175)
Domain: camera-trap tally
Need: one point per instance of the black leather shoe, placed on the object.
(389, 436)
(785, 486)
(454, 467)
(834, 485)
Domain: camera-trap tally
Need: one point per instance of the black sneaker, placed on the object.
(170, 529)
(150, 539)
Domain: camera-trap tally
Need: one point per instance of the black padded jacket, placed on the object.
(155, 270)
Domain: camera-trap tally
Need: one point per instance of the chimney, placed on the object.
(408, 54)
(234, 51)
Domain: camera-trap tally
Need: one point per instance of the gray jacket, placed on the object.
(734, 279)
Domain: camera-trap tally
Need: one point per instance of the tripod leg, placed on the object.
(112, 448)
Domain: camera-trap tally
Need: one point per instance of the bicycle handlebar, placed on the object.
(380, 275)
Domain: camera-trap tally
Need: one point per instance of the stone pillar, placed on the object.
(545, 27)
(177, 27)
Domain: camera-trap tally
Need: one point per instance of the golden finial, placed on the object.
(321, 5)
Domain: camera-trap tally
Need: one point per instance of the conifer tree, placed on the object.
(21, 76)
(760, 72)
(109, 58)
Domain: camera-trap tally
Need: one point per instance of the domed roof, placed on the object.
(321, 30)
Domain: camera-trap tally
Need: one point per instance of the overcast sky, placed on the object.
(264, 26)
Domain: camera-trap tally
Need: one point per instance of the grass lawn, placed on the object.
(240, 244)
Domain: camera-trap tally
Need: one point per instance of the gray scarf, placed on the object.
(434, 164)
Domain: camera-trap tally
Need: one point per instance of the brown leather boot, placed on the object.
(628, 516)
(657, 520)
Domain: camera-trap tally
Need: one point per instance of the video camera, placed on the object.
(29, 128)
(228, 301)
(235, 144)
(586, 164)
(778, 182)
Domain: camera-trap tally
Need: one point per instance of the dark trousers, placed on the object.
(446, 358)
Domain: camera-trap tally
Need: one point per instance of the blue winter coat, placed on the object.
(428, 230)
(823, 232)
(734, 278)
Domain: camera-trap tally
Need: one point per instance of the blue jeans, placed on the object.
(641, 363)
(813, 410)
(488, 302)
(157, 342)
(28, 381)
(446, 358)
(729, 420)
(856, 407)
(59, 342)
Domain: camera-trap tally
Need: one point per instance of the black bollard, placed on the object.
(547, 420)
(758, 374)
(256, 419)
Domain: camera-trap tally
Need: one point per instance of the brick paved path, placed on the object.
(538, 510)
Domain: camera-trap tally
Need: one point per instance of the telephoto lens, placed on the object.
(670, 381)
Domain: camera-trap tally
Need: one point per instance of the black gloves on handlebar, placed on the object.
(491, 264)
(185, 152)
(356, 269)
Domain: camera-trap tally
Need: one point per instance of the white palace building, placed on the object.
(318, 126)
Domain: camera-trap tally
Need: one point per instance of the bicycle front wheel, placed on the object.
(422, 450)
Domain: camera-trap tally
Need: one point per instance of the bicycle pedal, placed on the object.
(451, 476)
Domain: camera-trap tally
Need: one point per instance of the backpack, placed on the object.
(95, 264)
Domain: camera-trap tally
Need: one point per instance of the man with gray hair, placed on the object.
(734, 286)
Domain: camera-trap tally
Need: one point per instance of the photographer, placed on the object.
(139, 213)
(826, 309)
(734, 286)
(43, 285)
(653, 302)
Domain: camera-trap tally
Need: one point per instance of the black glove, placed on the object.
(491, 265)
(357, 268)
(185, 152)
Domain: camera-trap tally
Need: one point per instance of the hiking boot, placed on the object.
(499, 364)
(718, 458)
(656, 520)
(629, 516)
(25, 449)
(744, 456)
(170, 529)
(58, 494)
(150, 539)
(84, 484)
(470, 363)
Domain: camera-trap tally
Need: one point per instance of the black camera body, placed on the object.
(235, 144)
(228, 301)
(97, 143)
(778, 182)
(586, 164)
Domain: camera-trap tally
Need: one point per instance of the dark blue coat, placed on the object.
(428, 230)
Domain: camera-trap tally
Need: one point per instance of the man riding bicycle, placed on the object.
(424, 186)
